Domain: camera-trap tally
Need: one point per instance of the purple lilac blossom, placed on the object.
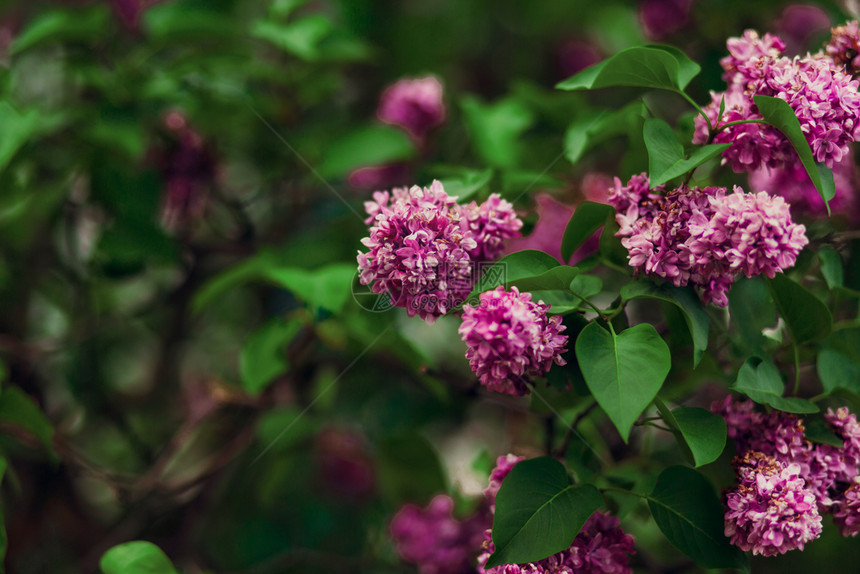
(423, 246)
(824, 97)
(793, 183)
(844, 46)
(416, 105)
(770, 511)
(705, 237)
(661, 18)
(846, 513)
(434, 540)
(601, 547)
(510, 338)
(418, 250)
(380, 176)
(504, 465)
(799, 23)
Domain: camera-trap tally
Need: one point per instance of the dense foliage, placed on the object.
(440, 287)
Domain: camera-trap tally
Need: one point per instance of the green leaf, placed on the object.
(752, 310)
(367, 146)
(688, 512)
(682, 166)
(664, 149)
(686, 301)
(16, 129)
(817, 429)
(264, 356)
(594, 128)
(831, 267)
(759, 379)
(80, 25)
(18, 409)
(468, 184)
(702, 432)
(301, 38)
(557, 278)
(284, 428)
(588, 218)
(409, 469)
(136, 557)
(495, 129)
(838, 371)
(806, 316)
(646, 66)
(514, 267)
(539, 512)
(326, 287)
(624, 372)
(779, 114)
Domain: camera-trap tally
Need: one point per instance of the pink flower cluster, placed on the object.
(424, 248)
(831, 473)
(705, 236)
(844, 46)
(416, 105)
(434, 540)
(770, 511)
(824, 97)
(510, 338)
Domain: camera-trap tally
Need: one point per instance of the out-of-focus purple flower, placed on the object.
(504, 464)
(549, 229)
(380, 177)
(510, 338)
(844, 46)
(601, 547)
(740, 416)
(799, 23)
(434, 540)
(424, 247)
(345, 468)
(130, 11)
(416, 105)
(490, 223)
(189, 168)
(706, 236)
(793, 183)
(846, 513)
(661, 18)
(820, 92)
(833, 469)
(770, 511)
(418, 251)
(577, 54)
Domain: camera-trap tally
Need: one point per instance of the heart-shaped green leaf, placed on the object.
(515, 267)
(683, 298)
(539, 512)
(805, 315)
(701, 432)
(688, 512)
(136, 557)
(624, 372)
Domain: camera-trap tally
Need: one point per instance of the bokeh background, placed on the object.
(181, 192)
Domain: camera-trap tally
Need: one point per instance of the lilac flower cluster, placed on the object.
(824, 97)
(434, 540)
(416, 105)
(770, 511)
(423, 247)
(510, 338)
(601, 547)
(831, 473)
(705, 236)
(844, 46)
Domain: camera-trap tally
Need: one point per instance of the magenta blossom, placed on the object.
(510, 338)
(434, 540)
(705, 237)
(661, 18)
(416, 105)
(770, 511)
(844, 46)
(793, 183)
